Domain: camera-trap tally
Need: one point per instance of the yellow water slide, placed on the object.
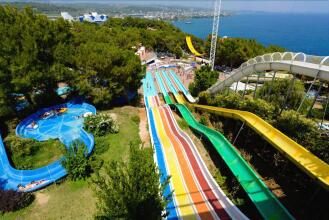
(301, 157)
(191, 47)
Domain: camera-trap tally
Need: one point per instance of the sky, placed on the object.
(285, 6)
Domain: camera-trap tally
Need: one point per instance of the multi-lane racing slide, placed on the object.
(67, 127)
(301, 157)
(267, 204)
(191, 47)
(196, 194)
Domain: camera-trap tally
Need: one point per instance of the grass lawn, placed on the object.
(44, 153)
(75, 200)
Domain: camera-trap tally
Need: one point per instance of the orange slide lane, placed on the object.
(195, 193)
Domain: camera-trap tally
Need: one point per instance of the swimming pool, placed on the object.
(67, 127)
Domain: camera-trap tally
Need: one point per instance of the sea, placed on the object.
(307, 33)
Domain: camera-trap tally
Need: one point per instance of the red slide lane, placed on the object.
(220, 211)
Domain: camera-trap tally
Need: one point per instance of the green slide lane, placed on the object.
(267, 204)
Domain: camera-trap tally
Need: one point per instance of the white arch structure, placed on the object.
(295, 63)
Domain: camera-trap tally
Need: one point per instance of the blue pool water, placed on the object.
(308, 33)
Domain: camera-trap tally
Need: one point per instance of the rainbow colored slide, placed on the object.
(196, 194)
(267, 204)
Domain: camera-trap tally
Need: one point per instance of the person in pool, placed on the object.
(33, 125)
(46, 114)
(60, 111)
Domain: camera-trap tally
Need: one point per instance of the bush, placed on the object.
(132, 189)
(76, 163)
(204, 78)
(228, 101)
(204, 119)
(101, 145)
(101, 124)
(135, 119)
(183, 124)
(260, 107)
(25, 153)
(279, 89)
(297, 127)
(11, 200)
(21, 147)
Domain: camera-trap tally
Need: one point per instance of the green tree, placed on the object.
(75, 161)
(235, 51)
(132, 189)
(107, 72)
(204, 78)
(277, 93)
(305, 132)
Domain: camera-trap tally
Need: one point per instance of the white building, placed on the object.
(67, 16)
(93, 17)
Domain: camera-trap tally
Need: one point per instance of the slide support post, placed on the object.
(314, 100)
(241, 128)
(256, 85)
(325, 110)
(271, 86)
(245, 87)
(309, 89)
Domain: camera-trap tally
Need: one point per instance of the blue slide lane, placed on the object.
(162, 167)
(162, 87)
(66, 127)
(169, 83)
(179, 83)
(150, 91)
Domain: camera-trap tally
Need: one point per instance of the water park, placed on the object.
(122, 120)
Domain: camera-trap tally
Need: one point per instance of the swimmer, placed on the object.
(33, 125)
(46, 114)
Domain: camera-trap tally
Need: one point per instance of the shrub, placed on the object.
(228, 101)
(24, 153)
(259, 107)
(135, 119)
(76, 163)
(279, 89)
(11, 200)
(204, 119)
(183, 124)
(101, 145)
(21, 147)
(204, 78)
(297, 127)
(132, 189)
(101, 124)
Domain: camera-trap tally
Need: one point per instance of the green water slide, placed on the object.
(267, 204)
